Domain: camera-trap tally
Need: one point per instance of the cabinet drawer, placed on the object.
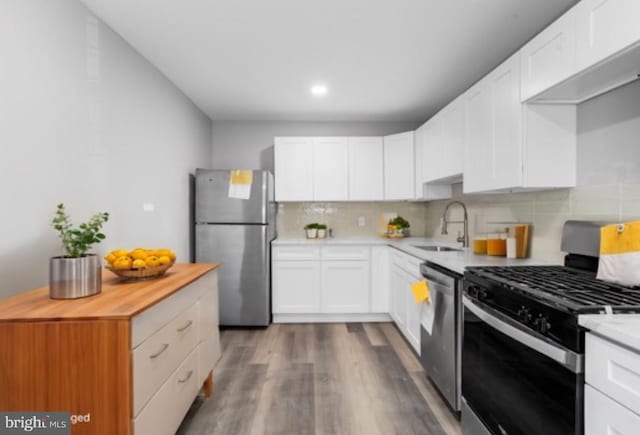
(345, 253)
(159, 355)
(166, 409)
(413, 267)
(294, 253)
(603, 415)
(613, 370)
(149, 321)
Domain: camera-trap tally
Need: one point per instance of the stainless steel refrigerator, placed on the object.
(237, 233)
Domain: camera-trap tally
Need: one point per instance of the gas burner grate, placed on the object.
(573, 289)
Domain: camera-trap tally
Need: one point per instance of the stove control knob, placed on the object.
(524, 315)
(542, 324)
(483, 295)
(473, 291)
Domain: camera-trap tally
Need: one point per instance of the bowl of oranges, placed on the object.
(140, 263)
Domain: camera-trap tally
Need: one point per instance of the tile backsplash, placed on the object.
(342, 217)
(546, 211)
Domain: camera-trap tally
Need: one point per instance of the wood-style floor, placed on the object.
(319, 379)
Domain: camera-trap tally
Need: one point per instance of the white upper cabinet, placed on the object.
(511, 146)
(366, 182)
(550, 57)
(399, 166)
(293, 164)
(419, 160)
(452, 133)
(605, 27)
(433, 148)
(479, 137)
(330, 169)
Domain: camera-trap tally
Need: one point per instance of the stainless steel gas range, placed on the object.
(523, 351)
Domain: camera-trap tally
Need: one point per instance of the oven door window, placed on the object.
(514, 389)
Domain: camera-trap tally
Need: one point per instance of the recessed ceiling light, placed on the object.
(319, 90)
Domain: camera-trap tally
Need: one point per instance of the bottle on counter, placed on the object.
(497, 244)
(480, 244)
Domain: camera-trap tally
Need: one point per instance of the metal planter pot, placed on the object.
(71, 278)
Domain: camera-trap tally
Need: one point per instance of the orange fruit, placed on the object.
(152, 261)
(164, 260)
(110, 258)
(139, 264)
(123, 262)
(138, 254)
(119, 253)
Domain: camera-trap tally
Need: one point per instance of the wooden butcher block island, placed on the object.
(132, 358)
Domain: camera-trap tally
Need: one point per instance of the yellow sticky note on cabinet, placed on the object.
(421, 291)
(241, 176)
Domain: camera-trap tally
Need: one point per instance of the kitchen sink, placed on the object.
(436, 248)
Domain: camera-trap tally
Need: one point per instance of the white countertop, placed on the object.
(456, 261)
(623, 329)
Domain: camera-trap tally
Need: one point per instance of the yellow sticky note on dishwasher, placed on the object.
(241, 176)
(421, 291)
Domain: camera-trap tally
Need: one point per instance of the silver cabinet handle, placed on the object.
(186, 326)
(158, 353)
(186, 378)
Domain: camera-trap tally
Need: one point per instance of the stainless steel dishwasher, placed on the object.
(441, 350)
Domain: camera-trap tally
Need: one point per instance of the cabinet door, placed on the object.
(550, 57)
(399, 177)
(345, 287)
(604, 27)
(330, 169)
(478, 137)
(419, 155)
(293, 166)
(296, 287)
(506, 152)
(413, 313)
(603, 415)
(398, 299)
(366, 169)
(433, 149)
(453, 122)
(380, 280)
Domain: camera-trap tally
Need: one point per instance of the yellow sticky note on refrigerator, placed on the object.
(421, 291)
(241, 176)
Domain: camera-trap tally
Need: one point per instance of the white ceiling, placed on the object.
(393, 60)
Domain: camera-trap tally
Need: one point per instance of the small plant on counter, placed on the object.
(398, 225)
(78, 241)
(322, 231)
(311, 230)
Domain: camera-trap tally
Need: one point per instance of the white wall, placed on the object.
(85, 120)
(249, 145)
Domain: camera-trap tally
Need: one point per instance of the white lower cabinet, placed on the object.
(380, 280)
(328, 281)
(296, 286)
(345, 287)
(612, 393)
(405, 271)
(605, 416)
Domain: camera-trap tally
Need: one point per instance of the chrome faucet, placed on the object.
(464, 239)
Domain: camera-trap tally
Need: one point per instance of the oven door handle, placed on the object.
(568, 358)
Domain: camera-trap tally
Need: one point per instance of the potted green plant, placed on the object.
(311, 230)
(78, 273)
(322, 231)
(401, 225)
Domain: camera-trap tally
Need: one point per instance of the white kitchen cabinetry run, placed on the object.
(514, 146)
(603, 28)
(612, 399)
(330, 169)
(328, 283)
(366, 169)
(293, 165)
(550, 57)
(399, 166)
